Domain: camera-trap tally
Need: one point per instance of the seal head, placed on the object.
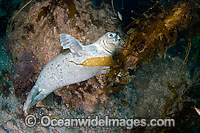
(109, 42)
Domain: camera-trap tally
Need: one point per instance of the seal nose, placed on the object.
(117, 38)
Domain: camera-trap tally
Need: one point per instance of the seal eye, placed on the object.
(111, 35)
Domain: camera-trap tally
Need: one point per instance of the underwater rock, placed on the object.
(41, 36)
(152, 83)
(84, 95)
(6, 67)
(25, 65)
(24, 68)
(4, 86)
(5, 59)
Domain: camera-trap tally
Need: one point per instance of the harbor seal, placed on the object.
(78, 64)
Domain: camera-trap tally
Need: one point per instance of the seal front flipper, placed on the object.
(67, 41)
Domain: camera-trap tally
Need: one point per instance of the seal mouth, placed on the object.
(117, 39)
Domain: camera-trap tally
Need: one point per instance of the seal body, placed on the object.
(78, 64)
(66, 69)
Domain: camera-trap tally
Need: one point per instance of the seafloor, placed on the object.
(157, 75)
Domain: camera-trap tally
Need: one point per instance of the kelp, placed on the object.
(51, 7)
(12, 19)
(48, 9)
(188, 49)
(186, 118)
(154, 33)
(71, 7)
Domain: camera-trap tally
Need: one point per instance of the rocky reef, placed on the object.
(153, 76)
